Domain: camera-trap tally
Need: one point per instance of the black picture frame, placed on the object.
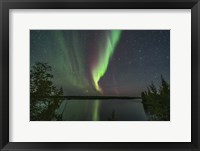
(5, 5)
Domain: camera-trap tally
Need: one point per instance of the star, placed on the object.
(78, 57)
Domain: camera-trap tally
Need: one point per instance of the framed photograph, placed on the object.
(97, 75)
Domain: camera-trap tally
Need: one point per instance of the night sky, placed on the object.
(103, 62)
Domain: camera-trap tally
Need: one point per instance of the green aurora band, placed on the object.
(98, 72)
(73, 63)
(112, 40)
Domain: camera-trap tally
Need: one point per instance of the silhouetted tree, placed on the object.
(157, 102)
(42, 106)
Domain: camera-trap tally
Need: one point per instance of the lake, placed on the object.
(102, 110)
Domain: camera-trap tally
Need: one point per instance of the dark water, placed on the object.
(102, 110)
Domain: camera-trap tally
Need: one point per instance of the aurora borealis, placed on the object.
(103, 62)
(104, 56)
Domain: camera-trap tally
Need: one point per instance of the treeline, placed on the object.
(157, 101)
(41, 86)
(45, 98)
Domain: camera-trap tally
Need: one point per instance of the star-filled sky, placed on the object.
(103, 62)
